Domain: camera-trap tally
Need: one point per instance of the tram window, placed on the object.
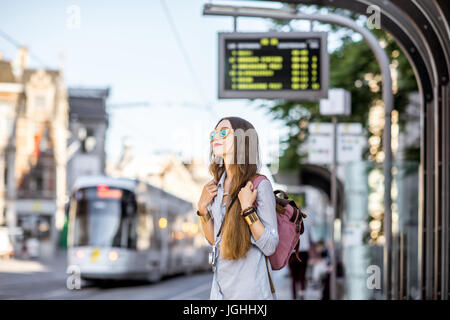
(127, 233)
(81, 232)
(148, 234)
(107, 222)
(143, 228)
(171, 227)
(155, 233)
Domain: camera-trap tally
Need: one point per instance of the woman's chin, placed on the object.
(218, 151)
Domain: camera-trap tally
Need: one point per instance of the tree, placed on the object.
(353, 67)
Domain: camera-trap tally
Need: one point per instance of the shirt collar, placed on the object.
(222, 178)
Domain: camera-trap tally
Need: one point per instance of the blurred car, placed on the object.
(33, 247)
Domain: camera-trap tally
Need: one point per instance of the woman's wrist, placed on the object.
(204, 217)
(246, 205)
(202, 210)
(246, 209)
(250, 216)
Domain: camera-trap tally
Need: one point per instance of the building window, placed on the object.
(39, 102)
(37, 182)
(88, 141)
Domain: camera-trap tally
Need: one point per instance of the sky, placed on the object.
(131, 47)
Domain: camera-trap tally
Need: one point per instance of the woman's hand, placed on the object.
(208, 193)
(246, 196)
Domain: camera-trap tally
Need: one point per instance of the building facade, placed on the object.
(33, 139)
(88, 122)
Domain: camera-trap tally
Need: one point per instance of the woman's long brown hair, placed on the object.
(235, 231)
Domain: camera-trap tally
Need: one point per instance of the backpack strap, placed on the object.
(272, 287)
(229, 207)
(285, 196)
(256, 181)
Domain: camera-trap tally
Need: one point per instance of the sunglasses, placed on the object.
(221, 133)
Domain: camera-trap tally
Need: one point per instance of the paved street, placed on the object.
(25, 279)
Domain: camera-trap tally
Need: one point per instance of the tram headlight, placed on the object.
(113, 255)
(79, 254)
(162, 223)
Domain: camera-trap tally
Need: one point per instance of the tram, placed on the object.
(127, 229)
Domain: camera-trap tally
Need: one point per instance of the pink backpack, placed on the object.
(290, 227)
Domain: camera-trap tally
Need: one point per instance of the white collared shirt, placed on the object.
(247, 277)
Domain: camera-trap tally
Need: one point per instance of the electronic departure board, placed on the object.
(273, 65)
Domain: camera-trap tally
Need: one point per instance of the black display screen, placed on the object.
(269, 63)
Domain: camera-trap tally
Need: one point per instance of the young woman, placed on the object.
(240, 234)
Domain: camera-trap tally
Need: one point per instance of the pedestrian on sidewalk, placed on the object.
(323, 268)
(241, 235)
(298, 268)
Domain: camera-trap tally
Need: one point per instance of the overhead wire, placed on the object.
(17, 44)
(186, 57)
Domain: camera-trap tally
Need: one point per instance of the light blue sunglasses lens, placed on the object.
(223, 133)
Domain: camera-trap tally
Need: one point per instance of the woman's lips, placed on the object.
(217, 144)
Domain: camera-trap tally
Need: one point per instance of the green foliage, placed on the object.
(298, 198)
(348, 66)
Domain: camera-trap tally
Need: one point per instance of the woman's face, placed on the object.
(223, 147)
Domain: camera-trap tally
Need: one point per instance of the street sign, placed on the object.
(350, 142)
(326, 128)
(273, 65)
(338, 103)
(353, 234)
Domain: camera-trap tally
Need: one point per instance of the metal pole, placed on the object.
(446, 188)
(383, 61)
(334, 204)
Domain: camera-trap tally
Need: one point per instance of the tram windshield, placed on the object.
(104, 217)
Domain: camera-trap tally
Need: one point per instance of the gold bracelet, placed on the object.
(204, 218)
(251, 218)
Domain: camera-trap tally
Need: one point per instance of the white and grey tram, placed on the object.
(127, 229)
